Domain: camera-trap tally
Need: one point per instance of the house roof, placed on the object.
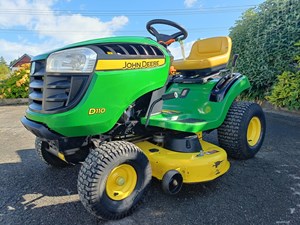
(20, 59)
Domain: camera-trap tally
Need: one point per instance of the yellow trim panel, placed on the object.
(128, 64)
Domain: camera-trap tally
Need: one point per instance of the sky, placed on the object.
(37, 26)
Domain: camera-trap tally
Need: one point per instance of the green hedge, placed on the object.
(264, 38)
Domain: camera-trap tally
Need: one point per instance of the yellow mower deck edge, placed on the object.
(194, 167)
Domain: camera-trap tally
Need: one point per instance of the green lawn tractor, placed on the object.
(127, 111)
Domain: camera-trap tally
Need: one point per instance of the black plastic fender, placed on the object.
(221, 88)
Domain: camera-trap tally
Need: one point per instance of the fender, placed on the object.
(223, 86)
(205, 113)
(227, 93)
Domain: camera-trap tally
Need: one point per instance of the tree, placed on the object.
(2, 60)
(265, 37)
(13, 62)
(4, 70)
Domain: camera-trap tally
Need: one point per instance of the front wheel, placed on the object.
(114, 179)
(243, 131)
(41, 148)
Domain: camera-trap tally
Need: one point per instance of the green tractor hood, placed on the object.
(81, 104)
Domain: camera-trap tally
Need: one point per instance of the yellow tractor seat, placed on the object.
(207, 56)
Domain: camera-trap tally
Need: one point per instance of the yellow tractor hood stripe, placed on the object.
(128, 64)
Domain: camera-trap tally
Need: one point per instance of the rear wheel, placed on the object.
(243, 130)
(114, 179)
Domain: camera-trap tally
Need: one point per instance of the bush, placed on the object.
(286, 92)
(17, 85)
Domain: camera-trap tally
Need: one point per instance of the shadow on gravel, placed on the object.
(34, 193)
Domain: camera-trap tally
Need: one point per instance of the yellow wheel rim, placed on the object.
(253, 131)
(121, 182)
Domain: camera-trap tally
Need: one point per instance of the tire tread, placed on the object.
(94, 167)
(233, 127)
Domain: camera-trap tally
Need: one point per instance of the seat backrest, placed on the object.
(210, 47)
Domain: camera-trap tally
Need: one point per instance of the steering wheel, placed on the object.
(166, 39)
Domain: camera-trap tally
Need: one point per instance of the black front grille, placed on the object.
(54, 92)
(123, 49)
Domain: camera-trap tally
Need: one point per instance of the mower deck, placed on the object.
(194, 167)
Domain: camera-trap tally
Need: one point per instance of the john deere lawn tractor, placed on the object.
(127, 111)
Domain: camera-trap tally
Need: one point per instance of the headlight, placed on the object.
(77, 60)
(32, 68)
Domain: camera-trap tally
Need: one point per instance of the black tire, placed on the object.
(95, 175)
(48, 158)
(232, 134)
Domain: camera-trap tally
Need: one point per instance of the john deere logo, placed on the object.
(93, 111)
(141, 64)
(128, 64)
